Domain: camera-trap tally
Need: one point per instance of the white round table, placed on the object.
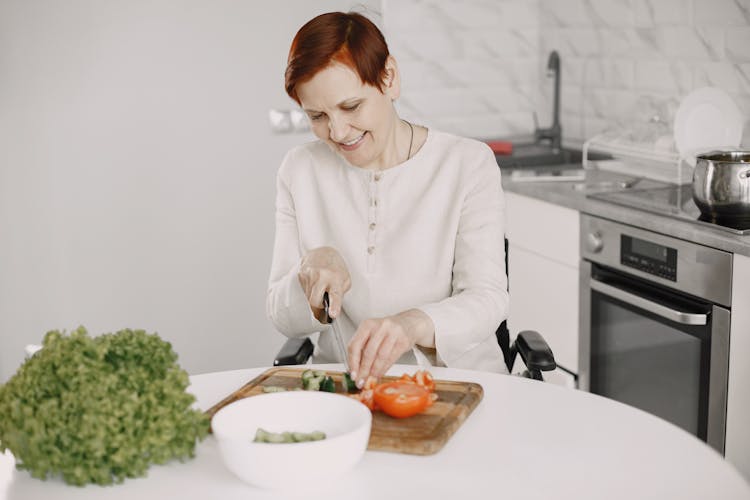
(526, 439)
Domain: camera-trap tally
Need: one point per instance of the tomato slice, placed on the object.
(364, 397)
(401, 399)
(422, 378)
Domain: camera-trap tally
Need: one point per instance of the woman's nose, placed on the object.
(337, 130)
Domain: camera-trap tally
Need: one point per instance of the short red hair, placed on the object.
(347, 38)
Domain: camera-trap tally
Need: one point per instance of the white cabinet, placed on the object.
(543, 261)
(737, 449)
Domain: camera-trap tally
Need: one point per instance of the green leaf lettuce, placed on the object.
(98, 410)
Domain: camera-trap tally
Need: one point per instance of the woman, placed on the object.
(401, 225)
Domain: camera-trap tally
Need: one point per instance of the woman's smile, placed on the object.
(353, 144)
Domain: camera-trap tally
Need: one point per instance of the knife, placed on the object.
(336, 332)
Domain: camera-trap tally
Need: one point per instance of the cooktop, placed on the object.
(674, 201)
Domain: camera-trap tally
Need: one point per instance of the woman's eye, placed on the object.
(317, 116)
(351, 108)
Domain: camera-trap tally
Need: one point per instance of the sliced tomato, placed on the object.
(422, 378)
(402, 399)
(364, 397)
(370, 383)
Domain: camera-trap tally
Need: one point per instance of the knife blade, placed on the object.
(336, 332)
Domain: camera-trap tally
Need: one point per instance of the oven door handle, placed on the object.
(685, 318)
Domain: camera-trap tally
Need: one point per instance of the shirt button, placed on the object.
(370, 250)
(377, 177)
(372, 226)
(373, 202)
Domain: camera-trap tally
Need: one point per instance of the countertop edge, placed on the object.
(564, 194)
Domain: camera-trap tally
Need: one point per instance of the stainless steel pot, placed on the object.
(721, 184)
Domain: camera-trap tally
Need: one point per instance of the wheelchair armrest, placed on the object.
(294, 352)
(534, 351)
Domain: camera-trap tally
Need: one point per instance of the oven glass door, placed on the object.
(649, 348)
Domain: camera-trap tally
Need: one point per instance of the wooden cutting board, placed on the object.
(422, 434)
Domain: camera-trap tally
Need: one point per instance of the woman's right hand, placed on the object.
(324, 270)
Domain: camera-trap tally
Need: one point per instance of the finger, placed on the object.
(316, 294)
(370, 352)
(355, 347)
(335, 299)
(387, 355)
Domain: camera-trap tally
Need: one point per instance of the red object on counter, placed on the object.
(501, 147)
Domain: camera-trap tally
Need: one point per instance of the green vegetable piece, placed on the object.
(307, 375)
(328, 385)
(300, 437)
(261, 436)
(317, 435)
(99, 409)
(274, 437)
(273, 388)
(349, 384)
(319, 373)
(312, 384)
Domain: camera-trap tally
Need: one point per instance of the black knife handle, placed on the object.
(326, 306)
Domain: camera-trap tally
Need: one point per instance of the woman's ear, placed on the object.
(391, 79)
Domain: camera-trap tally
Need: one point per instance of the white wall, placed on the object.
(137, 170)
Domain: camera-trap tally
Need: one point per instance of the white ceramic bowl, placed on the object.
(346, 423)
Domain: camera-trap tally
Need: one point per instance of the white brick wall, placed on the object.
(477, 67)
(618, 50)
(470, 67)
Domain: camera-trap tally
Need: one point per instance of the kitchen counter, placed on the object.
(573, 194)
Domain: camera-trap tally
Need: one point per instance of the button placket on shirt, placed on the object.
(374, 182)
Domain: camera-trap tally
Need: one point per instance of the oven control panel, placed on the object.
(649, 257)
(676, 263)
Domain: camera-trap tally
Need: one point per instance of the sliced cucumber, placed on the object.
(312, 385)
(317, 435)
(300, 437)
(273, 388)
(263, 436)
(349, 384)
(307, 375)
(327, 384)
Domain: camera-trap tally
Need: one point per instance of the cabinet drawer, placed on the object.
(543, 228)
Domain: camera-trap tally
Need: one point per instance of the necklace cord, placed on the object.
(411, 138)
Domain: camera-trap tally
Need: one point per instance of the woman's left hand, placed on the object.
(378, 343)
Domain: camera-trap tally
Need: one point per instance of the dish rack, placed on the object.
(642, 159)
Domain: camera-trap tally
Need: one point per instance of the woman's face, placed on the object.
(356, 120)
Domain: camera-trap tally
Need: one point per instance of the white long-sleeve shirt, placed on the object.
(426, 234)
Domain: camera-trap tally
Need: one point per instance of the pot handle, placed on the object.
(745, 174)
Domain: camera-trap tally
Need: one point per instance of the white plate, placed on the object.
(706, 119)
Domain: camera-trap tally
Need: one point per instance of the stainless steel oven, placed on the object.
(654, 314)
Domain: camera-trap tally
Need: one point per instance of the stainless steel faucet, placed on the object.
(554, 132)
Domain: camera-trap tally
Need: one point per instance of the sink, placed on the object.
(574, 176)
(591, 187)
(534, 155)
(537, 154)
